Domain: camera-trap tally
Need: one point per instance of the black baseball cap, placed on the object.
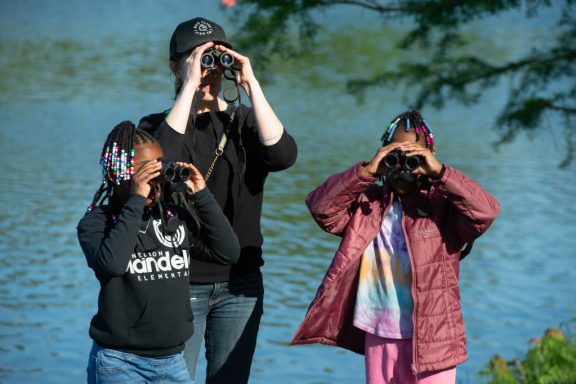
(192, 33)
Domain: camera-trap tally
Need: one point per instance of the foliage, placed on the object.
(551, 360)
(542, 82)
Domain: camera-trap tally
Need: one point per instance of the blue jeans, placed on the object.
(226, 317)
(109, 366)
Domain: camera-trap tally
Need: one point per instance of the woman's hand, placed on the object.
(142, 179)
(242, 66)
(196, 182)
(193, 70)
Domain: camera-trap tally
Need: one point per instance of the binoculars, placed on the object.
(171, 173)
(399, 159)
(213, 57)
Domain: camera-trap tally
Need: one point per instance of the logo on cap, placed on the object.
(202, 28)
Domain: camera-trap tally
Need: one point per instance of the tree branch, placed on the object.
(374, 6)
(563, 109)
(569, 54)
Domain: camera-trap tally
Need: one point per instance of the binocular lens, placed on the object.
(167, 174)
(392, 160)
(412, 162)
(207, 60)
(183, 173)
(226, 60)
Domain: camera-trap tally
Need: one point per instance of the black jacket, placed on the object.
(240, 194)
(144, 301)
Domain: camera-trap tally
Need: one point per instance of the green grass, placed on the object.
(550, 360)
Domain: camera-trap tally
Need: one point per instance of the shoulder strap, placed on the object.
(223, 140)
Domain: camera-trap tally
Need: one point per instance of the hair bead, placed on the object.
(412, 120)
(117, 157)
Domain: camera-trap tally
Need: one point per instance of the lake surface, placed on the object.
(71, 70)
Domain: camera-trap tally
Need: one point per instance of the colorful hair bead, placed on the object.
(117, 157)
(412, 120)
(387, 136)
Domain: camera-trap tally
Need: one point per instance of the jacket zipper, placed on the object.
(413, 366)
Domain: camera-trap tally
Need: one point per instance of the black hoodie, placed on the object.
(144, 301)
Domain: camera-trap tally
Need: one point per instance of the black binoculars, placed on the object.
(399, 159)
(212, 57)
(171, 173)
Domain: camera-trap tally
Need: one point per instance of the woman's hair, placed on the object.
(175, 59)
(117, 157)
(410, 120)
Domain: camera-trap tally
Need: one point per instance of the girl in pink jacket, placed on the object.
(391, 291)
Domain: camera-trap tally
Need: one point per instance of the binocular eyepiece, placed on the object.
(399, 159)
(213, 57)
(171, 173)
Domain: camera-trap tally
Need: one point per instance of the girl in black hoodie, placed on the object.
(139, 246)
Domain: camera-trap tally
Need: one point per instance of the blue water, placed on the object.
(71, 70)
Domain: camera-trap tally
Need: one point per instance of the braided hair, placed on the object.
(410, 120)
(117, 157)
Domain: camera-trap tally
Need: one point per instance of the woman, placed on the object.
(227, 300)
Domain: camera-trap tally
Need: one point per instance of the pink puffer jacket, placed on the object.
(352, 207)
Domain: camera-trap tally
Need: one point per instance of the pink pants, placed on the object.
(388, 361)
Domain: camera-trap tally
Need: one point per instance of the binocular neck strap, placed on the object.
(223, 140)
(466, 250)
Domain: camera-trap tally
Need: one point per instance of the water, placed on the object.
(71, 70)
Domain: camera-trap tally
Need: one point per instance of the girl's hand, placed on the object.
(430, 166)
(375, 168)
(196, 181)
(142, 179)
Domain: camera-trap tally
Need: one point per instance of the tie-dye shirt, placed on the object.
(384, 301)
